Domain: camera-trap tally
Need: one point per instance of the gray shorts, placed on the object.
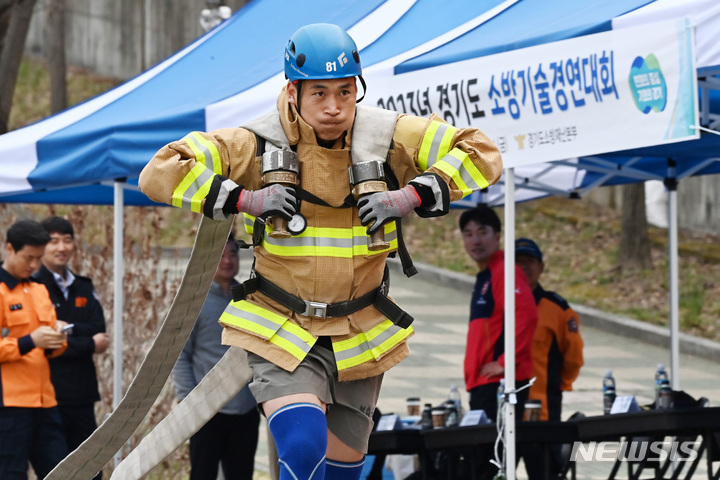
(350, 405)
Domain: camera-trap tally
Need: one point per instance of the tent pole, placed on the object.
(118, 274)
(673, 272)
(509, 328)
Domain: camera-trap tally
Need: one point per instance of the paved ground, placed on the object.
(441, 314)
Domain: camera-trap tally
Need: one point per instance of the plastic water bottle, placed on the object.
(454, 404)
(500, 397)
(454, 396)
(608, 392)
(663, 391)
(665, 400)
(660, 377)
(426, 422)
(452, 416)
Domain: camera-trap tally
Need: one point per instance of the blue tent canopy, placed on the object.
(527, 23)
(74, 157)
(234, 72)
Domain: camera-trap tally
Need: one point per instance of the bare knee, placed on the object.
(340, 451)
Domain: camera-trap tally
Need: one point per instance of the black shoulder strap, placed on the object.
(393, 184)
(260, 142)
(259, 225)
(407, 264)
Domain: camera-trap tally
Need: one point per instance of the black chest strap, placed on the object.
(303, 195)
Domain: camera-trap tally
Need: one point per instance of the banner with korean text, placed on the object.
(589, 95)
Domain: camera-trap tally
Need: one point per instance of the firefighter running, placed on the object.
(315, 317)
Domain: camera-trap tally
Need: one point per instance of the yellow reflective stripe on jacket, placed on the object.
(369, 346)
(458, 166)
(275, 328)
(248, 223)
(193, 189)
(205, 151)
(324, 242)
(436, 143)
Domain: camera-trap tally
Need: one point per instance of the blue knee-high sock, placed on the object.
(335, 470)
(300, 433)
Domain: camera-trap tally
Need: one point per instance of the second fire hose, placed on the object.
(366, 178)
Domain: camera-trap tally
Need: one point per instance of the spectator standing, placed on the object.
(485, 350)
(30, 425)
(557, 353)
(557, 344)
(73, 296)
(230, 437)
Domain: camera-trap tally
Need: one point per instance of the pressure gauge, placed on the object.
(297, 224)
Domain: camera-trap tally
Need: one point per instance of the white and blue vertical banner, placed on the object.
(610, 91)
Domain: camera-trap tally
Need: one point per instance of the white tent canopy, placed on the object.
(93, 153)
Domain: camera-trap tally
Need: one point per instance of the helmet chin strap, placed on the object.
(362, 81)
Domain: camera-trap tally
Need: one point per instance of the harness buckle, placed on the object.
(315, 309)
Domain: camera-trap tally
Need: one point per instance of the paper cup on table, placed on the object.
(438, 418)
(413, 406)
(532, 411)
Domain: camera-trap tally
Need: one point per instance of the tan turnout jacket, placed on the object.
(329, 262)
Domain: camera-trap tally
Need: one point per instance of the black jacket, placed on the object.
(73, 373)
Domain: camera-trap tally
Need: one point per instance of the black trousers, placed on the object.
(230, 440)
(78, 423)
(31, 435)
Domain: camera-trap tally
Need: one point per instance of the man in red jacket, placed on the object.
(485, 351)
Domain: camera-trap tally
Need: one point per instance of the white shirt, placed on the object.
(64, 283)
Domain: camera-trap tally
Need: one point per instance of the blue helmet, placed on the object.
(321, 51)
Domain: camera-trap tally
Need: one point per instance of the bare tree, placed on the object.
(55, 40)
(15, 18)
(5, 6)
(634, 250)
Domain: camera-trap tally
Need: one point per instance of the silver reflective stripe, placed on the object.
(367, 346)
(464, 174)
(194, 187)
(434, 153)
(309, 241)
(251, 317)
(322, 242)
(295, 340)
(199, 143)
(263, 322)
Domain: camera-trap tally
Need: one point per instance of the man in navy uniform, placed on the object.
(73, 296)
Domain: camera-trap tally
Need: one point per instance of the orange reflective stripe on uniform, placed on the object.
(324, 242)
(436, 151)
(193, 189)
(369, 346)
(276, 329)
